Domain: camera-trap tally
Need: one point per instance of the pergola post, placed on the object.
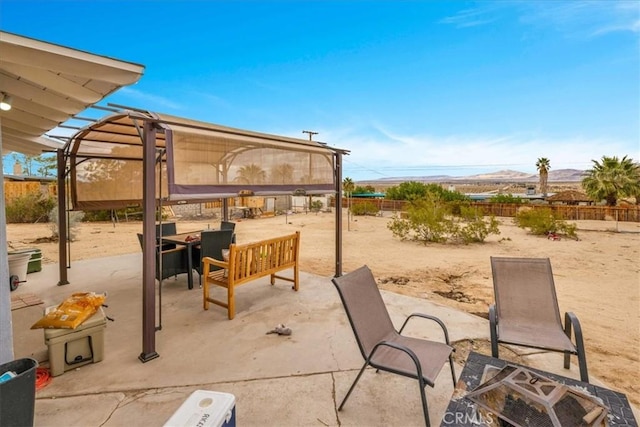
(338, 214)
(62, 217)
(149, 243)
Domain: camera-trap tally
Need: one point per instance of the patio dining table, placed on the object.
(189, 240)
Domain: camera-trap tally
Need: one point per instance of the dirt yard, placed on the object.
(597, 277)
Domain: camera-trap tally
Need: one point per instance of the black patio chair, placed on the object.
(166, 229)
(212, 242)
(228, 225)
(172, 262)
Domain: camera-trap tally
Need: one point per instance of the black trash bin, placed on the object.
(18, 394)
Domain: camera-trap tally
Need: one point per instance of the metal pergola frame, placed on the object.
(147, 126)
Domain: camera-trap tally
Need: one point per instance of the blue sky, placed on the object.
(412, 88)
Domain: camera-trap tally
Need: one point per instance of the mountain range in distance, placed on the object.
(560, 175)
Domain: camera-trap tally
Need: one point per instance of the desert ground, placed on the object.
(597, 276)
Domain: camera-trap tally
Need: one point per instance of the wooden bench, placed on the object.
(249, 262)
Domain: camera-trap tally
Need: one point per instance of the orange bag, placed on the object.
(72, 312)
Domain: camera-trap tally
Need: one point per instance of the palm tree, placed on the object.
(251, 174)
(348, 187)
(543, 166)
(637, 189)
(611, 179)
(282, 174)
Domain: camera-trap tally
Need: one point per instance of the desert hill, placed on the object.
(504, 181)
(505, 176)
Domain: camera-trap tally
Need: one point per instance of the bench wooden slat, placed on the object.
(249, 262)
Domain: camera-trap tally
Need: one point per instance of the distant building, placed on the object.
(570, 197)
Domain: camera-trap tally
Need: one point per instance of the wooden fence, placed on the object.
(630, 213)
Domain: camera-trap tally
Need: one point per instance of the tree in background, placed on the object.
(347, 187)
(282, 173)
(612, 178)
(543, 164)
(251, 174)
(369, 189)
(412, 190)
(40, 165)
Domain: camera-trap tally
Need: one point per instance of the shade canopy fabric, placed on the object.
(195, 161)
(49, 84)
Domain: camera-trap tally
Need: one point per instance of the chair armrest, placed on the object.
(208, 260)
(176, 249)
(570, 320)
(428, 317)
(399, 347)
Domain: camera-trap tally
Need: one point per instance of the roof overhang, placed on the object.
(49, 84)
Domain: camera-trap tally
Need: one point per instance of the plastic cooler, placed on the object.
(205, 408)
(72, 348)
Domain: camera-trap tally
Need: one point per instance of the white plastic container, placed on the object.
(19, 264)
(205, 408)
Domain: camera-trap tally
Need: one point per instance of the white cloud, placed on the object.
(576, 17)
(146, 99)
(388, 154)
(584, 18)
(469, 18)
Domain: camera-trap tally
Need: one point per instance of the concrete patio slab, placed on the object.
(296, 380)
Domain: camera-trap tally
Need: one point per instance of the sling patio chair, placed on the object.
(526, 311)
(384, 348)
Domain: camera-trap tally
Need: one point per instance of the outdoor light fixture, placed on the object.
(5, 104)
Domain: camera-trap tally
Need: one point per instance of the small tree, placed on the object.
(431, 220)
(365, 208)
(544, 221)
(316, 206)
(475, 227)
(74, 220)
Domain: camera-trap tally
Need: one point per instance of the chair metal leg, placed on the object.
(353, 385)
(423, 396)
(493, 329)
(453, 372)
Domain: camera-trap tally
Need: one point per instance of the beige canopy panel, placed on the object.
(47, 84)
(195, 161)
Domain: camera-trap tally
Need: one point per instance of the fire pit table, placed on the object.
(464, 410)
